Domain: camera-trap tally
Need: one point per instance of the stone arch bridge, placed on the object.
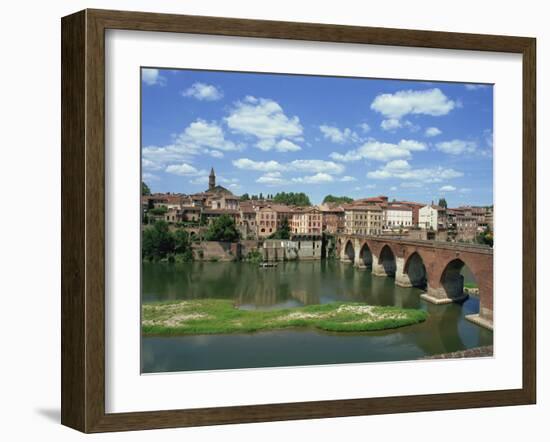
(435, 266)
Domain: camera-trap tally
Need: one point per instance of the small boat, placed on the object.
(264, 265)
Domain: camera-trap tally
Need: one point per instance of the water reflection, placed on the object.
(294, 284)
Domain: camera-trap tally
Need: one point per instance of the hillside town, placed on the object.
(260, 217)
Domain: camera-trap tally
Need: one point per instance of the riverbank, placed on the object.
(219, 316)
(477, 352)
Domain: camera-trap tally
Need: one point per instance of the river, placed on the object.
(294, 284)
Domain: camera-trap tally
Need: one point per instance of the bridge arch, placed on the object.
(416, 270)
(365, 256)
(452, 279)
(349, 251)
(386, 262)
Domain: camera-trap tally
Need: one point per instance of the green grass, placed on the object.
(470, 285)
(208, 316)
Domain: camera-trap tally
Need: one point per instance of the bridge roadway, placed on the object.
(433, 265)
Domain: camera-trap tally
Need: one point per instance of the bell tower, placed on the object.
(212, 180)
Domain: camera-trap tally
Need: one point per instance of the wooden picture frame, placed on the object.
(83, 219)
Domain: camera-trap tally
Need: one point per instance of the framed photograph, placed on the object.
(270, 220)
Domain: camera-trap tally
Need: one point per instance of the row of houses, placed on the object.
(259, 219)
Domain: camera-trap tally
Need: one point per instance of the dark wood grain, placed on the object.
(73, 210)
(83, 219)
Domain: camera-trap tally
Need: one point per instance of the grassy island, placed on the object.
(208, 316)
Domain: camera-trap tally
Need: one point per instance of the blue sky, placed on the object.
(357, 137)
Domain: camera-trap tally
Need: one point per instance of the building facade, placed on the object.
(397, 217)
(307, 222)
(363, 219)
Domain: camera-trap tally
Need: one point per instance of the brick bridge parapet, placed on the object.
(431, 264)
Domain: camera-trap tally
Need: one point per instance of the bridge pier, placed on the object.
(401, 278)
(343, 253)
(359, 262)
(451, 291)
(377, 266)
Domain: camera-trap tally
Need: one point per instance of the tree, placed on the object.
(337, 199)
(160, 210)
(442, 203)
(182, 245)
(261, 196)
(145, 191)
(181, 241)
(245, 197)
(292, 199)
(283, 232)
(157, 241)
(222, 229)
(486, 237)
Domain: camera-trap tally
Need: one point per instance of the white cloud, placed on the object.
(412, 145)
(147, 164)
(390, 124)
(316, 166)
(152, 77)
(347, 179)
(465, 190)
(397, 165)
(365, 127)
(322, 170)
(447, 188)
(183, 169)
(262, 166)
(156, 157)
(393, 188)
(337, 135)
(296, 165)
(280, 146)
(379, 151)
(429, 102)
(456, 147)
(370, 186)
(146, 176)
(214, 153)
(235, 186)
(203, 92)
(200, 137)
(402, 170)
(474, 87)
(272, 179)
(318, 178)
(432, 132)
(207, 134)
(264, 119)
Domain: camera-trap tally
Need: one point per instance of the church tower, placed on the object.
(212, 180)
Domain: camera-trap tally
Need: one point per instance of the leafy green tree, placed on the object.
(145, 191)
(283, 232)
(182, 241)
(222, 229)
(157, 241)
(442, 203)
(261, 196)
(245, 197)
(292, 199)
(337, 199)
